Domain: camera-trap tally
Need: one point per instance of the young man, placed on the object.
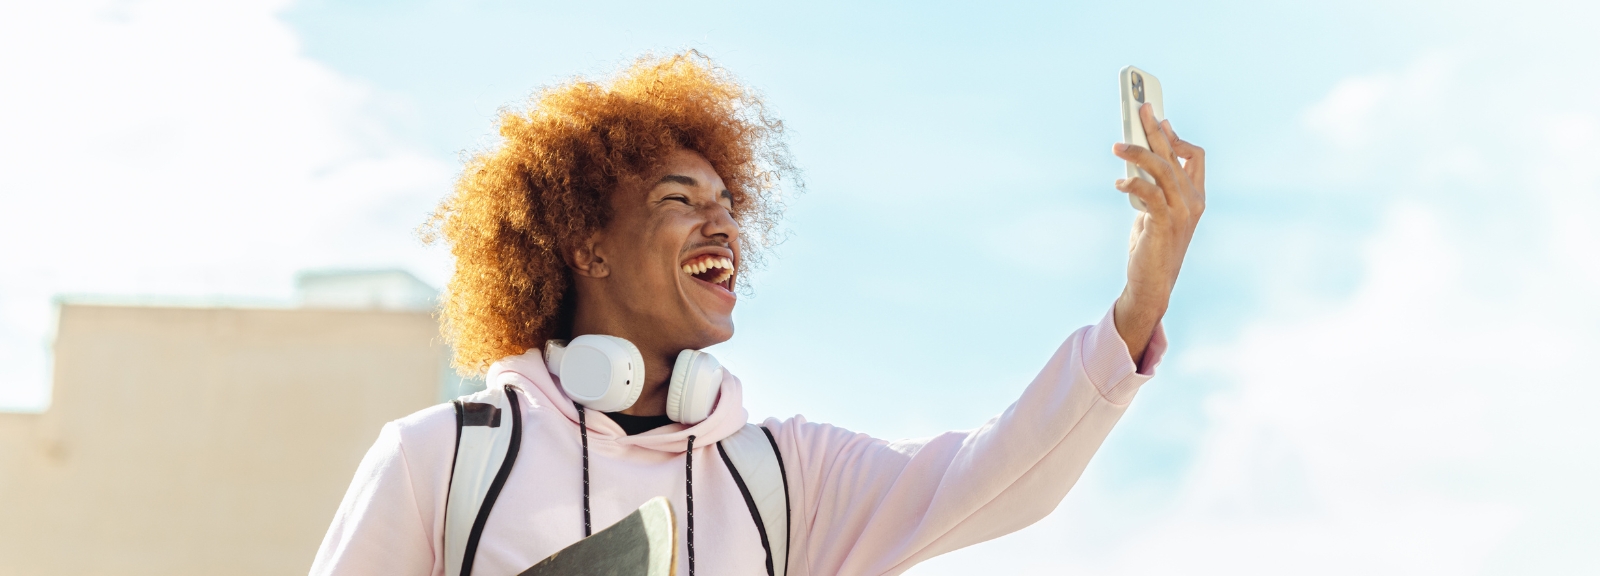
(628, 209)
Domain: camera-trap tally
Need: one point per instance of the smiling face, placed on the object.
(661, 273)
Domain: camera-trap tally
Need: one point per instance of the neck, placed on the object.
(658, 359)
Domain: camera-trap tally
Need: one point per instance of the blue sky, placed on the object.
(1380, 338)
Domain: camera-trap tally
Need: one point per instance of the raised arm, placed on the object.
(869, 506)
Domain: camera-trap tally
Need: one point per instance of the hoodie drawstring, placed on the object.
(583, 430)
(688, 481)
(688, 493)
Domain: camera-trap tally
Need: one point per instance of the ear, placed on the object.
(585, 260)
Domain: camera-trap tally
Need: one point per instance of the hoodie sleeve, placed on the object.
(868, 506)
(379, 528)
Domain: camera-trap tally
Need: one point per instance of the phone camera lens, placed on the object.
(1138, 88)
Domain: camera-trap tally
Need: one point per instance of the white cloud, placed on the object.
(1345, 116)
(1365, 435)
(183, 148)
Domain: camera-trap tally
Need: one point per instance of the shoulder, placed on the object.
(430, 424)
(436, 417)
(428, 436)
(425, 437)
(798, 425)
(806, 437)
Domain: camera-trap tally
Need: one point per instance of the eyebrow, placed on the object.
(678, 179)
(687, 181)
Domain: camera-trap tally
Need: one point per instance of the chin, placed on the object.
(720, 335)
(713, 333)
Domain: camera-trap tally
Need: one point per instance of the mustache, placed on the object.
(699, 245)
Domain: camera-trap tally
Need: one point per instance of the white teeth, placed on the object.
(702, 265)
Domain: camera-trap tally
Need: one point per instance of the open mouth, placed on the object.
(711, 269)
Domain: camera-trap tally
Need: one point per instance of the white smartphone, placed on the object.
(1138, 87)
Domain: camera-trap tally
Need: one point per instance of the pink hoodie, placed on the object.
(860, 505)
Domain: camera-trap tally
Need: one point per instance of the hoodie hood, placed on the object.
(529, 373)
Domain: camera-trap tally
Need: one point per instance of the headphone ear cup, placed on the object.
(553, 351)
(605, 373)
(695, 386)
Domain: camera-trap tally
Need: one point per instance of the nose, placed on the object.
(720, 224)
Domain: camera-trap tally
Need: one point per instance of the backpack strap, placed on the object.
(481, 442)
(752, 456)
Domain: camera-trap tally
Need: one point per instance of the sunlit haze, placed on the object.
(1380, 342)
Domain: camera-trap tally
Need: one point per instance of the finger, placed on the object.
(1194, 161)
(1172, 136)
(1155, 201)
(1159, 143)
(1159, 168)
(1185, 150)
(1194, 164)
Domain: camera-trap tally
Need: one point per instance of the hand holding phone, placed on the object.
(1166, 182)
(1138, 87)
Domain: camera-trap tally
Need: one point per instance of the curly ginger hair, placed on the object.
(545, 188)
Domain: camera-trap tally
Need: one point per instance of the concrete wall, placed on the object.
(203, 441)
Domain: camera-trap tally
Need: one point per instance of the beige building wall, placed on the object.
(203, 440)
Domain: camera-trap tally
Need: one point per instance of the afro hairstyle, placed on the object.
(544, 188)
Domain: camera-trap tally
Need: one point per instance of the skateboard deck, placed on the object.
(642, 544)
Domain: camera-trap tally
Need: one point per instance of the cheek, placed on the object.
(665, 242)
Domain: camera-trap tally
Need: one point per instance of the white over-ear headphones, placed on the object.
(606, 373)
